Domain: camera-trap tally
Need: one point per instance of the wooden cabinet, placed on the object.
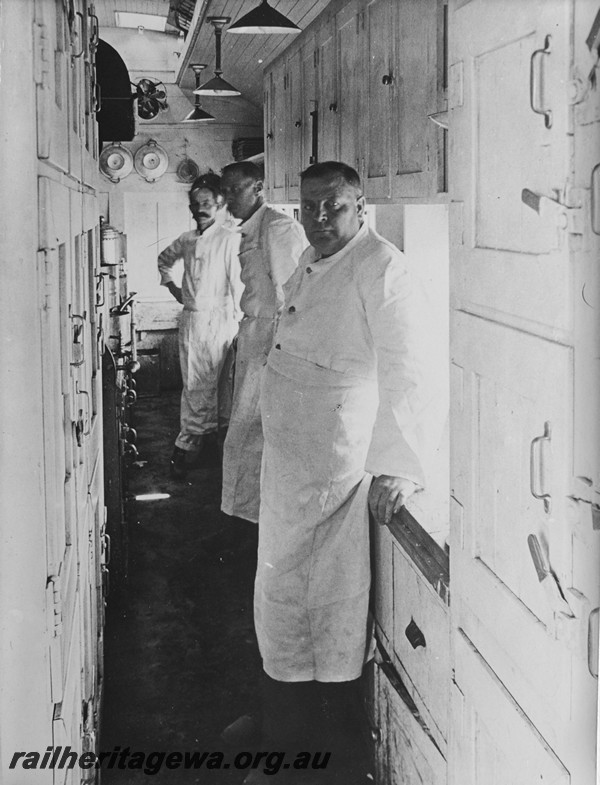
(369, 76)
(523, 548)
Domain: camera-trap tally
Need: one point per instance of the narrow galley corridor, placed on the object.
(181, 660)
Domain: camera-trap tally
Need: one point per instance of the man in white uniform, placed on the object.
(271, 244)
(210, 292)
(351, 411)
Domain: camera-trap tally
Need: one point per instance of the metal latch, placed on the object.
(41, 55)
(548, 579)
(564, 216)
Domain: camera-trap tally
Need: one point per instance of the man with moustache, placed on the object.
(210, 293)
(351, 412)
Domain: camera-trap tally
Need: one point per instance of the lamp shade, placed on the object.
(216, 86)
(265, 20)
(197, 114)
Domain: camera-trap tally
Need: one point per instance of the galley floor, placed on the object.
(181, 660)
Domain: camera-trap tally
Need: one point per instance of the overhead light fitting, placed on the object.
(217, 86)
(264, 20)
(197, 114)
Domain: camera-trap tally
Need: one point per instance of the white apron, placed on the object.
(242, 451)
(313, 575)
(204, 337)
(271, 245)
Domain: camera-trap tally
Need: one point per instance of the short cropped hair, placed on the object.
(209, 181)
(333, 169)
(247, 169)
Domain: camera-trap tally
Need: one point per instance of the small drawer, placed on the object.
(421, 642)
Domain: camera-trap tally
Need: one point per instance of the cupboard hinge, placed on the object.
(566, 214)
(54, 606)
(41, 59)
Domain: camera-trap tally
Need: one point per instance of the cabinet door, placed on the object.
(52, 41)
(328, 99)
(310, 117)
(276, 133)
(377, 116)
(350, 65)
(415, 137)
(519, 605)
(294, 89)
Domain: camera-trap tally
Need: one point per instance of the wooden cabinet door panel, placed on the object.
(378, 98)
(414, 136)
(512, 385)
(494, 740)
(309, 102)
(52, 53)
(328, 97)
(350, 63)
(275, 131)
(426, 660)
(512, 263)
(295, 124)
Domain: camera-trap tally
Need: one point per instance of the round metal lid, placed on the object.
(116, 162)
(151, 161)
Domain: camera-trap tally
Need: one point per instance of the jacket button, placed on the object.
(292, 309)
(278, 346)
(309, 269)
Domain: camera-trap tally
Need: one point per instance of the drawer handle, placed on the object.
(414, 635)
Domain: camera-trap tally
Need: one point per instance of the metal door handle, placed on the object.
(106, 549)
(74, 56)
(95, 36)
(536, 467)
(77, 335)
(85, 430)
(535, 82)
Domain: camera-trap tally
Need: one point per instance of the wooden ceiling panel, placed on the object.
(240, 54)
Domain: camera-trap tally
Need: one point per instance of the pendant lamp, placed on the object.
(197, 114)
(217, 86)
(264, 20)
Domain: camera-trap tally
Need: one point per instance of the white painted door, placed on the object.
(523, 696)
